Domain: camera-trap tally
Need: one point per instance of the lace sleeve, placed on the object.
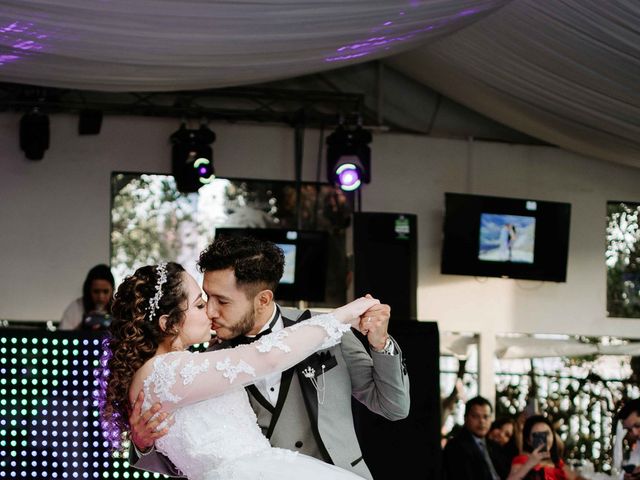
(181, 378)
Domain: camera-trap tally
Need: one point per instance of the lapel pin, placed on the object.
(310, 373)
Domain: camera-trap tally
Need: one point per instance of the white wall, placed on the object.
(54, 214)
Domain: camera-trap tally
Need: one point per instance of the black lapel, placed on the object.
(253, 390)
(310, 397)
(309, 394)
(308, 391)
(285, 383)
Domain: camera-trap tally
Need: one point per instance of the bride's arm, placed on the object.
(181, 378)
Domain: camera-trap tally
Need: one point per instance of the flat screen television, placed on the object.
(505, 237)
(305, 255)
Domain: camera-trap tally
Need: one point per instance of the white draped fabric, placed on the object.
(567, 72)
(163, 45)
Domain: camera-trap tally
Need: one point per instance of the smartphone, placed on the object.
(539, 438)
(629, 468)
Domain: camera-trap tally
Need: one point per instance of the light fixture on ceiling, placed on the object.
(192, 157)
(349, 157)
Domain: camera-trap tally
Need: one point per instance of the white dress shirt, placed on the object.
(269, 386)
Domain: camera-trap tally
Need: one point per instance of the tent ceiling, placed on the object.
(152, 45)
(564, 72)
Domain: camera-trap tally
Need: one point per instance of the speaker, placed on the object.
(408, 448)
(89, 122)
(34, 134)
(384, 249)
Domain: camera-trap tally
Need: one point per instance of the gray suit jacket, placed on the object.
(323, 429)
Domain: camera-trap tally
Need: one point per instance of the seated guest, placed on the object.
(91, 311)
(502, 431)
(503, 436)
(542, 460)
(468, 455)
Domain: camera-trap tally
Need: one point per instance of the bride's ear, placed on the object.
(162, 322)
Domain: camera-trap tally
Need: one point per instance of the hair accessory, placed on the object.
(310, 373)
(154, 303)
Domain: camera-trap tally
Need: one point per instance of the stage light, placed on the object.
(192, 163)
(349, 157)
(34, 134)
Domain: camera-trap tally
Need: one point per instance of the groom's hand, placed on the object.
(144, 425)
(374, 323)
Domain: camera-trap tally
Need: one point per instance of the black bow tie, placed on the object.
(242, 340)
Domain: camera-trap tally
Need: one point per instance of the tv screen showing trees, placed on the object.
(152, 221)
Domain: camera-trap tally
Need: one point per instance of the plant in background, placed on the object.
(623, 260)
(575, 397)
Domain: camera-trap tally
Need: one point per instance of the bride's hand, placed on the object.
(351, 312)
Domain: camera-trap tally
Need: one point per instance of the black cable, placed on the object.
(318, 174)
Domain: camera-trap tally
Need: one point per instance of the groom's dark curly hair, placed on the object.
(257, 264)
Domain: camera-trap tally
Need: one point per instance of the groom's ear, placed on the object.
(263, 299)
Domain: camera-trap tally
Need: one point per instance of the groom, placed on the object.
(308, 407)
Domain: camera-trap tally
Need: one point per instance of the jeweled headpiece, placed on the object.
(154, 302)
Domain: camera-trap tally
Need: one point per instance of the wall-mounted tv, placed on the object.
(505, 237)
(305, 255)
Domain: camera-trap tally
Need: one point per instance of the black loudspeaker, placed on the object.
(410, 448)
(384, 247)
(34, 134)
(89, 122)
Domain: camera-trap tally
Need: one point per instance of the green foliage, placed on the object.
(581, 408)
(146, 215)
(623, 260)
(152, 221)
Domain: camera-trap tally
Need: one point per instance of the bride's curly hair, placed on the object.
(134, 338)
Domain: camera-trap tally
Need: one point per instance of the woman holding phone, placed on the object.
(542, 460)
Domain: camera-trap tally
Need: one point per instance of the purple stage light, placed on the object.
(348, 177)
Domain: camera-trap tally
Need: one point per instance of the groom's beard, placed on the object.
(242, 327)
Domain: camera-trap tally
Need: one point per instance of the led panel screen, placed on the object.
(49, 423)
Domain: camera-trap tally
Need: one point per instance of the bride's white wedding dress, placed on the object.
(216, 435)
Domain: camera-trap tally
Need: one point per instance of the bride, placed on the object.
(159, 312)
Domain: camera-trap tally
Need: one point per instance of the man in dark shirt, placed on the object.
(467, 456)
